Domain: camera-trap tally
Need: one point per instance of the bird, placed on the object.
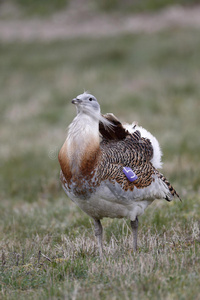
(110, 169)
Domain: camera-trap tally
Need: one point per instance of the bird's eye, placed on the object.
(90, 99)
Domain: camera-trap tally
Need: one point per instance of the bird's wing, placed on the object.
(132, 151)
(114, 132)
(120, 148)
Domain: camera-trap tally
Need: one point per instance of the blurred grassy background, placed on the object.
(42, 7)
(151, 78)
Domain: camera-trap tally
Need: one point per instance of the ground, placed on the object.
(80, 21)
(47, 245)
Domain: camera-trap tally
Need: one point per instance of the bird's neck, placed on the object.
(82, 143)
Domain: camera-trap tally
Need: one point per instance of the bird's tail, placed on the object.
(170, 187)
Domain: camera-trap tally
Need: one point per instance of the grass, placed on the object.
(141, 6)
(44, 7)
(40, 7)
(47, 245)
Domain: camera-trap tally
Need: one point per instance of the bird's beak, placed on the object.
(76, 101)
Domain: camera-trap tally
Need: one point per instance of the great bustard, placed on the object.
(109, 169)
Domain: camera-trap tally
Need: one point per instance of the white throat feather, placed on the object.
(83, 135)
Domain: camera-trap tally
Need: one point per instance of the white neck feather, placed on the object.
(83, 131)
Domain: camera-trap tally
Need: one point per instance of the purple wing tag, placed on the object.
(130, 174)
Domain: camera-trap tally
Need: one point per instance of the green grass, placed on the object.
(140, 6)
(46, 7)
(40, 7)
(47, 245)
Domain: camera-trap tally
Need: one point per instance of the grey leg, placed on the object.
(98, 233)
(134, 226)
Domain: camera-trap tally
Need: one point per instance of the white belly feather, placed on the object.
(112, 201)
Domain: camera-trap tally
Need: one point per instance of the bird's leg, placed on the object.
(134, 226)
(98, 233)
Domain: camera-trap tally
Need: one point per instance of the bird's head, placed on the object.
(87, 103)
